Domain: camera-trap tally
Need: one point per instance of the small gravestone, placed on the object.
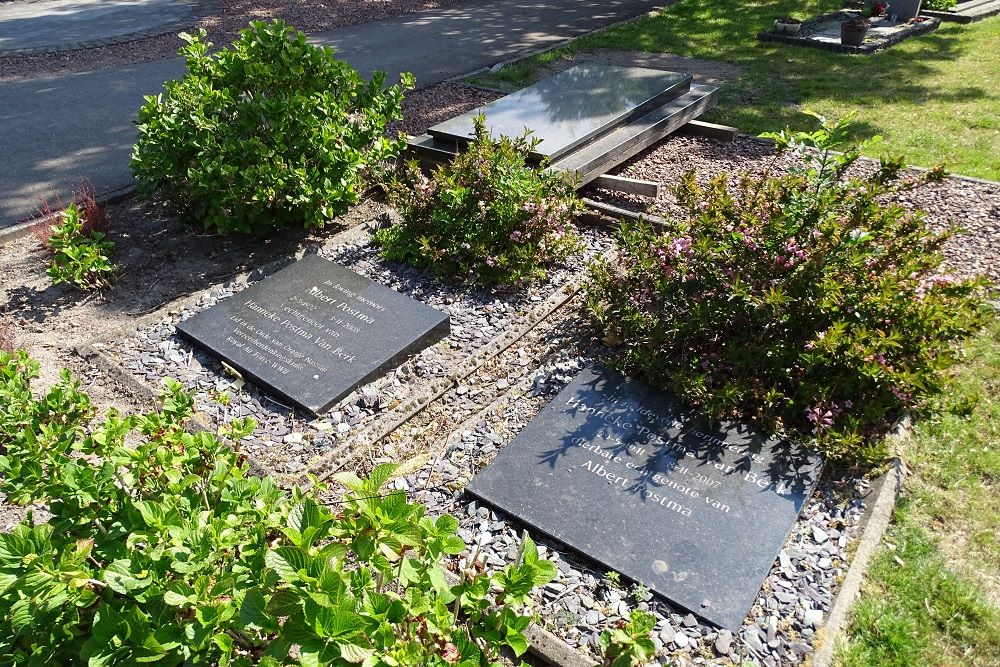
(314, 331)
(569, 108)
(902, 11)
(620, 472)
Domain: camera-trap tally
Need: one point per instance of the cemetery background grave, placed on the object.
(966, 11)
(823, 32)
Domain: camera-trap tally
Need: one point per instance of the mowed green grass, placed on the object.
(930, 598)
(934, 98)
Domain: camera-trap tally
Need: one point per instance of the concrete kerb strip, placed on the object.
(331, 462)
(886, 490)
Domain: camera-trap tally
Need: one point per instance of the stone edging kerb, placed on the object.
(874, 523)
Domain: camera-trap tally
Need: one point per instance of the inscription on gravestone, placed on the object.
(315, 331)
(620, 472)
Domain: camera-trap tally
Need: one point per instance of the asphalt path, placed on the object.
(56, 131)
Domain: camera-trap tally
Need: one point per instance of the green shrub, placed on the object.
(486, 217)
(939, 5)
(270, 132)
(629, 645)
(800, 301)
(163, 549)
(79, 257)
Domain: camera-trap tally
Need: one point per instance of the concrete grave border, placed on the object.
(803, 39)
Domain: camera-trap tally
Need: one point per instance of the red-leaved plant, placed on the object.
(93, 214)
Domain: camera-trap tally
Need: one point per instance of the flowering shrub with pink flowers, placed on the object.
(486, 217)
(801, 301)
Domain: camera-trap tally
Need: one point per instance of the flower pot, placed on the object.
(783, 28)
(852, 35)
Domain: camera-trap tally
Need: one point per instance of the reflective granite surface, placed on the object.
(571, 107)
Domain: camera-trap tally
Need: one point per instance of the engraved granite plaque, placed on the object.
(622, 473)
(314, 331)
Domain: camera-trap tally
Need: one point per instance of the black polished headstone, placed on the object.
(571, 107)
(314, 331)
(620, 472)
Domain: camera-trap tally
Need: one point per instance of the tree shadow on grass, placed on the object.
(780, 80)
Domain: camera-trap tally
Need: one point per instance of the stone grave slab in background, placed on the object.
(314, 331)
(571, 107)
(904, 10)
(620, 472)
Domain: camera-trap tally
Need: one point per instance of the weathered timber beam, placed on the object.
(632, 186)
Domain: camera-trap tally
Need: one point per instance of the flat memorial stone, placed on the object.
(314, 331)
(569, 108)
(620, 472)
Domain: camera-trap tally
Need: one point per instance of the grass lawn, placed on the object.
(933, 590)
(934, 98)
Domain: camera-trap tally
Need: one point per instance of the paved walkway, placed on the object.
(58, 24)
(57, 130)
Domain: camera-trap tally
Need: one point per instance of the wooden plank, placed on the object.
(702, 129)
(632, 186)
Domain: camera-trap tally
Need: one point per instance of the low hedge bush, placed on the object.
(267, 133)
(163, 549)
(486, 217)
(801, 301)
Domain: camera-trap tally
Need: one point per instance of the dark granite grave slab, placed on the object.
(569, 108)
(620, 472)
(314, 331)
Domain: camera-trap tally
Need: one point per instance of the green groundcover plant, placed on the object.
(802, 301)
(486, 217)
(629, 644)
(162, 549)
(267, 133)
(79, 257)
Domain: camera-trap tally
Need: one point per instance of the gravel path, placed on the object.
(222, 26)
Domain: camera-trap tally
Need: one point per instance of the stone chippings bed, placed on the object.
(581, 602)
(287, 442)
